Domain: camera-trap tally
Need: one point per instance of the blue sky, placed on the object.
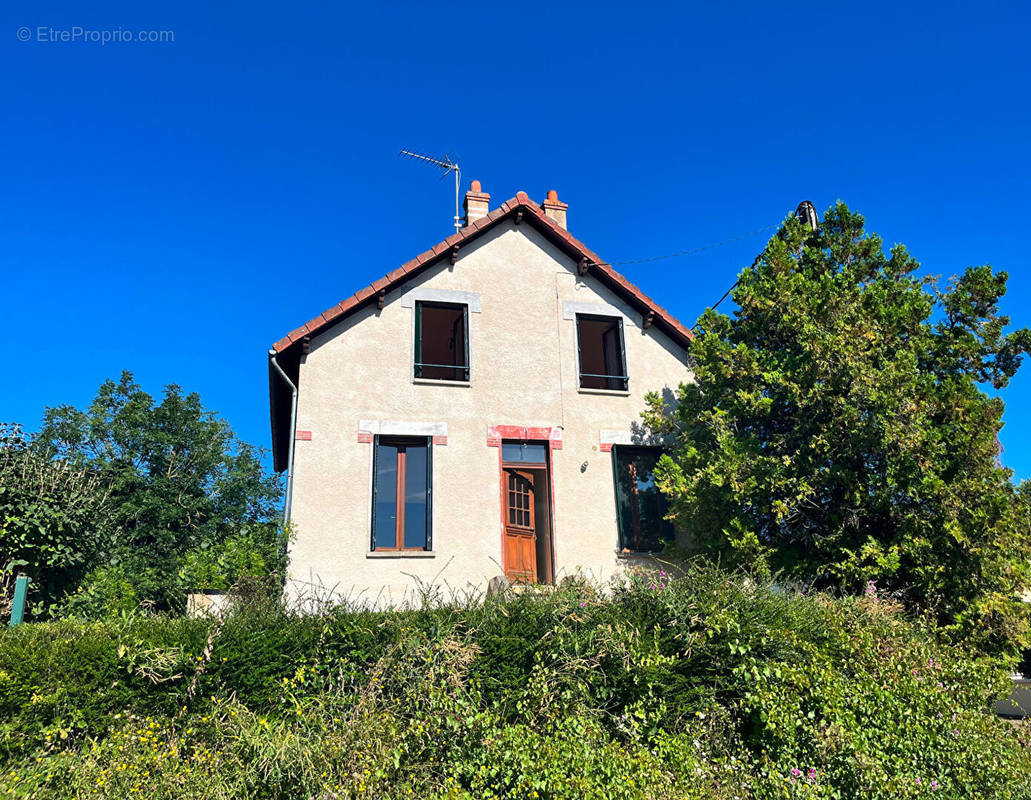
(173, 208)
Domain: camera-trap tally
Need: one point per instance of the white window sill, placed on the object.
(400, 554)
(611, 392)
(440, 382)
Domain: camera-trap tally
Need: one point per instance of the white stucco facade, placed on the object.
(356, 382)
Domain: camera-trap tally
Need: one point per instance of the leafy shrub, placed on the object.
(106, 591)
(52, 518)
(705, 685)
(252, 552)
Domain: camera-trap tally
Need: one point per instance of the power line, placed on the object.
(694, 250)
(806, 211)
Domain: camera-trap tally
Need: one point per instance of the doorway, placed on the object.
(526, 512)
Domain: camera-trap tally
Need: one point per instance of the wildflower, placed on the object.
(796, 771)
(934, 786)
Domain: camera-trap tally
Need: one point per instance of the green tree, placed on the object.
(838, 429)
(179, 478)
(53, 518)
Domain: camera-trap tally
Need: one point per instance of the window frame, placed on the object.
(399, 516)
(624, 538)
(417, 337)
(624, 378)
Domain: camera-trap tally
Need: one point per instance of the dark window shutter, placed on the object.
(622, 356)
(429, 493)
(418, 339)
(375, 488)
(465, 327)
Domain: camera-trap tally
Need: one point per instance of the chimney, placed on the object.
(555, 210)
(477, 203)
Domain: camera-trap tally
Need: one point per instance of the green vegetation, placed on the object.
(133, 502)
(705, 686)
(48, 518)
(838, 430)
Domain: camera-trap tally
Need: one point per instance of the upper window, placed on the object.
(442, 341)
(602, 358)
(640, 506)
(401, 494)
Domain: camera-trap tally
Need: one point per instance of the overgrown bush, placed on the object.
(53, 524)
(254, 551)
(704, 686)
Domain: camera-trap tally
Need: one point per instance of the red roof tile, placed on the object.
(573, 246)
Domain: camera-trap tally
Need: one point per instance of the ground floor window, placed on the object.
(640, 506)
(401, 493)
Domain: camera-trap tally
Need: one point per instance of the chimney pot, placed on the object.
(554, 209)
(477, 203)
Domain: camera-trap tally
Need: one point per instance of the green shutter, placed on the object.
(620, 533)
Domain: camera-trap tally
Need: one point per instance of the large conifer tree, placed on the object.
(840, 429)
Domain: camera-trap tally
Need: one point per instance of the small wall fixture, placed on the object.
(583, 467)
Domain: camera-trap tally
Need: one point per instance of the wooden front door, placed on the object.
(520, 528)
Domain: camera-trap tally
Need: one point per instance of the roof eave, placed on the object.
(555, 233)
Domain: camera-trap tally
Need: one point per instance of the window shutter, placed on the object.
(465, 328)
(418, 339)
(375, 488)
(429, 493)
(620, 526)
(622, 355)
(579, 357)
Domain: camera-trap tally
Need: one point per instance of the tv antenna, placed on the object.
(448, 164)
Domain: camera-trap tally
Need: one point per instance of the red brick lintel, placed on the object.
(495, 433)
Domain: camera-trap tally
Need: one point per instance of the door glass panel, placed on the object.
(524, 452)
(386, 496)
(416, 487)
(518, 501)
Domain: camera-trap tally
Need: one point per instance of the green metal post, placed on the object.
(21, 589)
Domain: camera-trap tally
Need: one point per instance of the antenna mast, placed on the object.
(446, 163)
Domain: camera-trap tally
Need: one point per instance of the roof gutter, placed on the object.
(288, 502)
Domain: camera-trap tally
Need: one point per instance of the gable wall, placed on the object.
(523, 372)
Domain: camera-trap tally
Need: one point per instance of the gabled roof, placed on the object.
(520, 209)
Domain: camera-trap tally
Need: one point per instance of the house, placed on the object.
(474, 413)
